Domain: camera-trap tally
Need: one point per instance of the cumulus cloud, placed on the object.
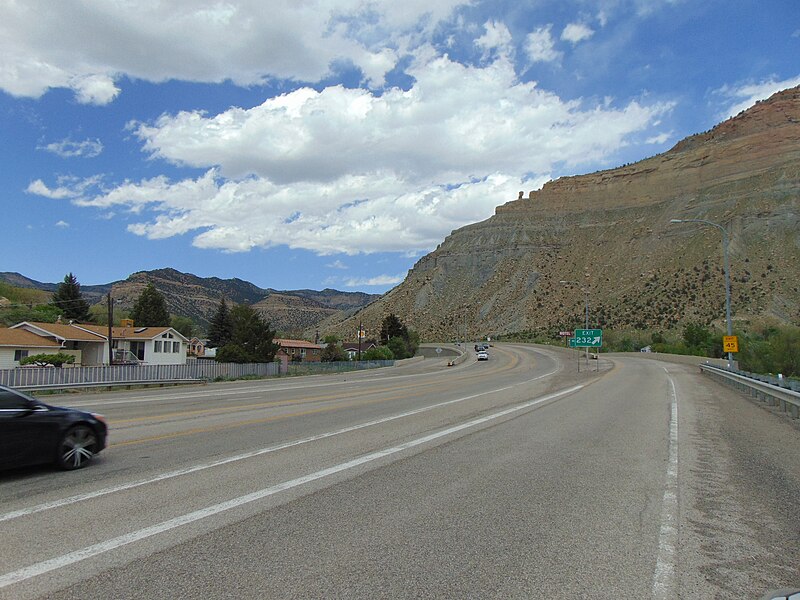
(540, 45)
(379, 280)
(62, 224)
(67, 187)
(68, 149)
(576, 32)
(496, 40)
(86, 48)
(744, 96)
(348, 171)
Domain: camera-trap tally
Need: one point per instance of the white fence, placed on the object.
(32, 378)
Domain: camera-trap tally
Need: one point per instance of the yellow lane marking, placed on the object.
(515, 360)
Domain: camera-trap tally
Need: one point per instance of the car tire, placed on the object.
(76, 447)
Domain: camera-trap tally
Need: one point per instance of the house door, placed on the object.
(138, 349)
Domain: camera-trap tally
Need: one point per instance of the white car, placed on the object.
(483, 355)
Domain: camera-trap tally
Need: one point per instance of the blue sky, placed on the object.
(332, 143)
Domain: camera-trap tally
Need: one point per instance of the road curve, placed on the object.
(518, 477)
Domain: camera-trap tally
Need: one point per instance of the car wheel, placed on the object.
(76, 447)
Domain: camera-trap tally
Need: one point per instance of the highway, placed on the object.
(517, 477)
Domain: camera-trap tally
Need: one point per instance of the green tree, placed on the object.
(785, 352)
(252, 339)
(57, 360)
(220, 331)
(333, 353)
(150, 309)
(398, 338)
(70, 301)
(398, 347)
(377, 353)
(184, 325)
(392, 327)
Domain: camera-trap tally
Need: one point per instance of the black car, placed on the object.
(32, 432)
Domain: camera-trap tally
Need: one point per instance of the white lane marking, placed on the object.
(201, 467)
(64, 560)
(664, 575)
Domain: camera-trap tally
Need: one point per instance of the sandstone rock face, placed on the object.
(610, 233)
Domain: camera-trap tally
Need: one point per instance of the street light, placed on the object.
(585, 291)
(587, 299)
(727, 271)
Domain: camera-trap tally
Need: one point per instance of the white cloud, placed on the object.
(344, 170)
(576, 32)
(379, 280)
(39, 188)
(68, 187)
(746, 95)
(540, 45)
(659, 139)
(68, 149)
(62, 224)
(496, 40)
(337, 264)
(94, 89)
(87, 46)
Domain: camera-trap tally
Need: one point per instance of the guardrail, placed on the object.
(787, 399)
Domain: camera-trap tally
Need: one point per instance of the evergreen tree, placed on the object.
(150, 310)
(252, 334)
(70, 301)
(220, 330)
(392, 327)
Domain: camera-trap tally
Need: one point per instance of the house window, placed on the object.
(176, 346)
(302, 351)
(19, 355)
(157, 347)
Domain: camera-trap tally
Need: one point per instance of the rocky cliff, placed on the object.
(610, 234)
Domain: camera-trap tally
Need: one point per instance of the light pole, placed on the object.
(587, 299)
(585, 291)
(727, 271)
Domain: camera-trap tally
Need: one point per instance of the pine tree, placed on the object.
(150, 310)
(70, 301)
(220, 330)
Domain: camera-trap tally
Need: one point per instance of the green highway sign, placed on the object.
(587, 338)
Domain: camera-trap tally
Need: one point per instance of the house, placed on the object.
(197, 347)
(352, 347)
(299, 350)
(85, 346)
(89, 343)
(16, 344)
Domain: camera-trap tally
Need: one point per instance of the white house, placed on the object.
(89, 343)
(16, 344)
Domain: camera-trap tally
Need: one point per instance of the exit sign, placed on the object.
(588, 338)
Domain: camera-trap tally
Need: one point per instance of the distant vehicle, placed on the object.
(483, 355)
(32, 432)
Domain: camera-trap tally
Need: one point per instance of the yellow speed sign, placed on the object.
(730, 343)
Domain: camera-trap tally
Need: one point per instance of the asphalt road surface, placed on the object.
(517, 477)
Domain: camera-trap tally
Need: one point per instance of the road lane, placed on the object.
(461, 490)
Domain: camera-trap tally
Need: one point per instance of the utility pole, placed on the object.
(360, 324)
(110, 325)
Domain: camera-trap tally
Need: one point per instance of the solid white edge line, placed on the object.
(664, 574)
(64, 560)
(201, 467)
